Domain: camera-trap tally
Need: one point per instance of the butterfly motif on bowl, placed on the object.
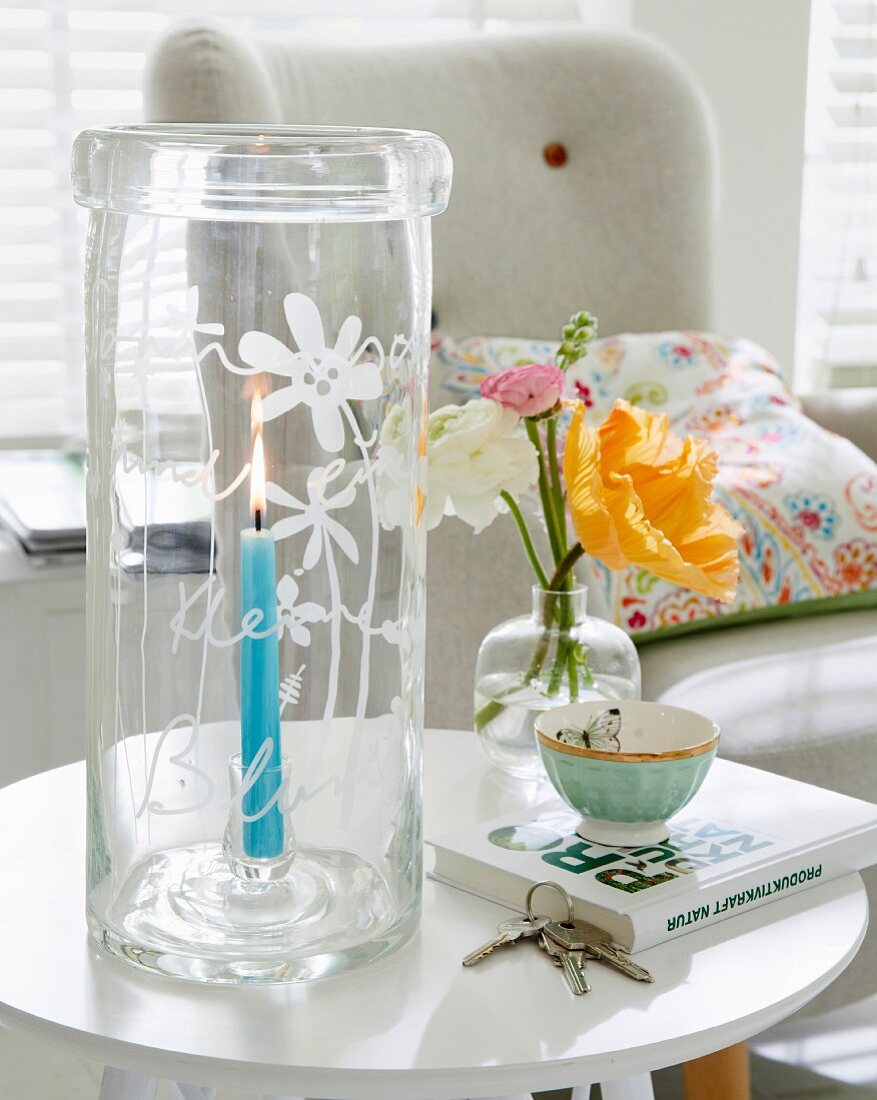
(601, 732)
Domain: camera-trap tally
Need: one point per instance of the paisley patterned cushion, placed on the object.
(806, 498)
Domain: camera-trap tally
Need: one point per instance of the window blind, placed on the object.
(69, 64)
(837, 317)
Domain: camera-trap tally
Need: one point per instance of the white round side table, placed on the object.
(415, 1025)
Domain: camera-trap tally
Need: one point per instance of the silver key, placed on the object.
(510, 931)
(596, 944)
(617, 957)
(571, 961)
(600, 946)
(568, 933)
(568, 938)
(543, 946)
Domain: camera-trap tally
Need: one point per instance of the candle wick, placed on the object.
(258, 519)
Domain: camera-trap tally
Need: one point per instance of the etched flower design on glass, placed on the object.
(293, 617)
(187, 319)
(314, 516)
(322, 378)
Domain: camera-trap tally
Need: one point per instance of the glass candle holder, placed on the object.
(260, 808)
(257, 331)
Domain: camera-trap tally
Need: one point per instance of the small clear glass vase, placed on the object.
(555, 655)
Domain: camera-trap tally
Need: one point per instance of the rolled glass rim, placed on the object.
(262, 173)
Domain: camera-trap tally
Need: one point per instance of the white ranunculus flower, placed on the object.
(475, 452)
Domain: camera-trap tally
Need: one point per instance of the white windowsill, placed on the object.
(15, 567)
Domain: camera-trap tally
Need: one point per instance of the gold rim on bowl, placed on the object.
(551, 742)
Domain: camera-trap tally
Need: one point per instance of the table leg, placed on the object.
(723, 1075)
(122, 1084)
(628, 1088)
(194, 1092)
(624, 1088)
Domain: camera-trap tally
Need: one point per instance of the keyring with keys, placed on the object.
(558, 889)
(569, 943)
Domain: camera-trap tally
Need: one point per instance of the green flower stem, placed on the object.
(565, 567)
(565, 656)
(556, 678)
(541, 575)
(572, 672)
(544, 491)
(554, 479)
(565, 659)
(562, 579)
(486, 714)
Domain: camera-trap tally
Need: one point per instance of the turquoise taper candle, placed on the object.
(260, 677)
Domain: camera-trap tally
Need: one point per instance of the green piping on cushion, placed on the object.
(850, 601)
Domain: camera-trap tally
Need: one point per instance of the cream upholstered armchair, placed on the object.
(621, 227)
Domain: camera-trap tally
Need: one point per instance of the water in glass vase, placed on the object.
(556, 655)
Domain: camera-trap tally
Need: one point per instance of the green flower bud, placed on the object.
(577, 333)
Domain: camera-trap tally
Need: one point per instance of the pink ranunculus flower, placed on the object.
(529, 390)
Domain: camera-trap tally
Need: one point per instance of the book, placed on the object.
(42, 501)
(746, 838)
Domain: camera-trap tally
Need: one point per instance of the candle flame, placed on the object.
(257, 473)
(256, 419)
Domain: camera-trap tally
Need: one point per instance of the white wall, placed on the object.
(750, 58)
(42, 665)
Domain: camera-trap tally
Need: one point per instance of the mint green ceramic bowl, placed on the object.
(626, 786)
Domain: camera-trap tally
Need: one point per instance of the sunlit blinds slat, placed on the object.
(854, 151)
(23, 76)
(27, 309)
(856, 46)
(850, 316)
(827, 182)
(853, 81)
(859, 113)
(109, 78)
(856, 12)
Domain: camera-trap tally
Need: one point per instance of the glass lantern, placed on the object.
(257, 333)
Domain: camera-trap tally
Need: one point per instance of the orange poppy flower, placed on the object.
(639, 495)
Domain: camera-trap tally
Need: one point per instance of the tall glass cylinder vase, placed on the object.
(257, 325)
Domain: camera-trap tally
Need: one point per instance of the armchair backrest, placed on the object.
(622, 227)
